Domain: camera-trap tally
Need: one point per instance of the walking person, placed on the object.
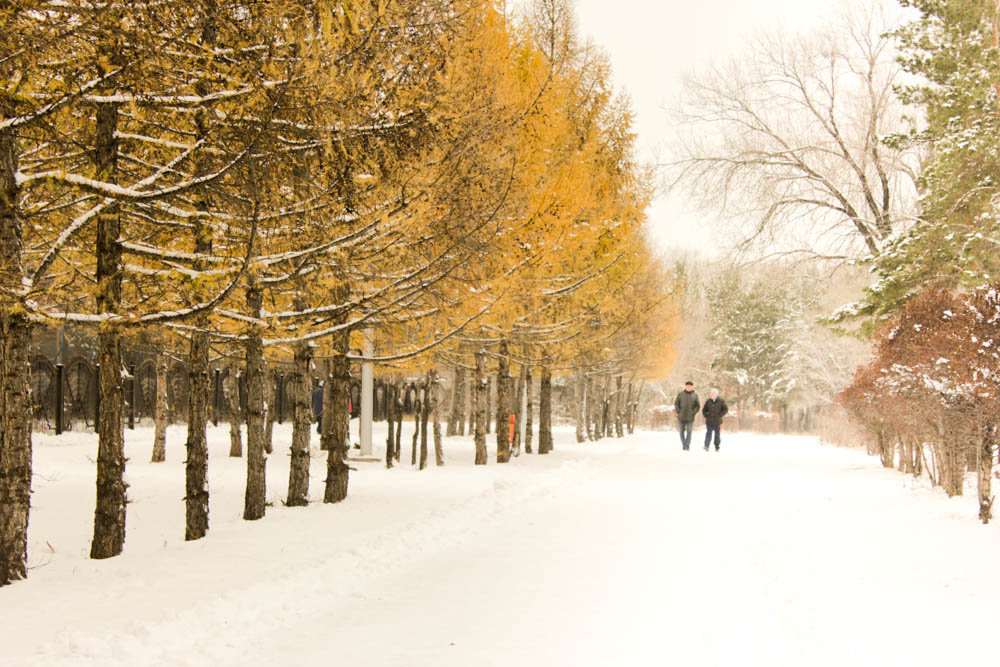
(714, 410)
(686, 407)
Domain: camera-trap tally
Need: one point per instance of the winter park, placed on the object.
(499, 332)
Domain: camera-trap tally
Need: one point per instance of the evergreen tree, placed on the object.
(952, 49)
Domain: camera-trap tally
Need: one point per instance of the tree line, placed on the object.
(928, 397)
(415, 183)
(873, 145)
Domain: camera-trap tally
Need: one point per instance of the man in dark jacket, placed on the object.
(713, 412)
(317, 405)
(686, 407)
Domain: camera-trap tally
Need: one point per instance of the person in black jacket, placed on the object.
(317, 406)
(686, 408)
(714, 410)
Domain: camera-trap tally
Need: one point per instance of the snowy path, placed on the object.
(774, 551)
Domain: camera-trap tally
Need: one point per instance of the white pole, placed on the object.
(367, 396)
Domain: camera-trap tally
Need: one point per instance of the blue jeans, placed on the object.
(686, 429)
(709, 430)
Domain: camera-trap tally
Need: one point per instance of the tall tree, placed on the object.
(950, 52)
(789, 141)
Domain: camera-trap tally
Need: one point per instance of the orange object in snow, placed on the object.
(511, 439)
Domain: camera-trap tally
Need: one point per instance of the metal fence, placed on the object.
(65, 395)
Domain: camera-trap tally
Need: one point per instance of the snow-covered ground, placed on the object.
(774, 551)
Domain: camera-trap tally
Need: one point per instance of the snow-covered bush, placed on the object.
(930, 394)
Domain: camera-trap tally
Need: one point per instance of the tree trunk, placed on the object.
(456, 420)
(422, 417)
(109, 516)
(606, 408)
(952, 468)
(489, 403)
(634, 408)
(581, 407)
(390, 415)
(196, 467)
(15, 371)
(517, 408)
(529, 417)
(256, 489)
(545, 412)
(336, 420)
(618, 415)
(270, 404)
(161, 417)
(503, 403)
(435, 386)
(298, 470)
(231, 391)
(985, 473)
(397, 450)
(470, 403)
(15, 434)
(885, 450)
(590, 415)
(479, 401)
(267, 425)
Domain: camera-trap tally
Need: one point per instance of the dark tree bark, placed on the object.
(618, 413)
(390, 416)
(271, 405)
(456, 419)
(605, 429)
(489, 403)
(503, 404)
(256, 489)
(529, 417)
(298, 470)
(109, 516)
(470, 403)
(15, 371)
(581, 406)
(15, 439)
(397, 451)
(545, 412)
(435, 391)
(517, 408)
(268, 423)
(161, 416)
(196, 467)
(985, 473)
(425, 409)
(336, 420)
(416, 437)
(627, 409)
(479, 402)
(231, 391)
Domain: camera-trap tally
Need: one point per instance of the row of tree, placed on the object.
(875, 143)
(930, 397)
(412, 182)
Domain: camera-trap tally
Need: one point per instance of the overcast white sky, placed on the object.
(652, 43)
